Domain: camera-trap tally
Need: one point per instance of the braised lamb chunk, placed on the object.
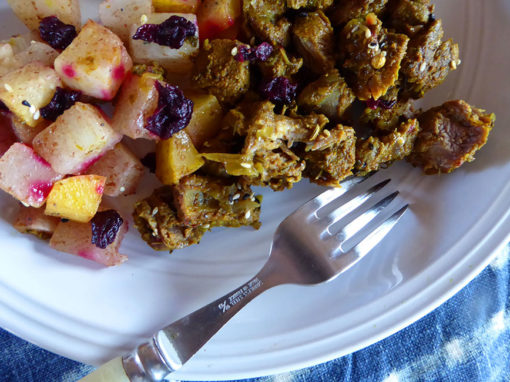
(372, 56)
(346, 10)
(330, 157)
(314, 40)
(375, 152)
(280, 64)
(156, 219)
(329, 95)
(450, 135)
(410, 16)
(219, 73)
(428, 60)
(389, 111)
(211, 201)
(265, 19)
(309, 4)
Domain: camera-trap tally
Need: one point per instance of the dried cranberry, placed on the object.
(374, 104)
(56, 33)
(259, 53)
(62, 100)
(105, 226)
(279, 90)
(172, 32)
(172, 114)
(149, 161)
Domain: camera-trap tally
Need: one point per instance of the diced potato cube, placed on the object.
(184, 6)
(173, 60)
(76, 139)
(176, 157)
(26, 176)
(122, 169)
(34, 221)
(31, 12)
(76, 238)
(76, 198)
(26, 90)
(206, 119)
(137, 101)
(119, 15)
(96, 62)
(23, 132)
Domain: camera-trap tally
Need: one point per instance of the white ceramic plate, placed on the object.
(457, 222)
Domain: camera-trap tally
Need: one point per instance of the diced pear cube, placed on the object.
(122, 169)
(215, 17)
(96, 62)
(137, 101)
(23, 132)
(76, 238)
(119, 15)
(76, 198)
(76, 139)
(31, 12)
(176, 157)
(24, 91)
(184, 6)
(206, 119)
(34, 221)
(26, 176)
(173, 60)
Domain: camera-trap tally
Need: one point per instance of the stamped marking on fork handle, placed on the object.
(240, 294)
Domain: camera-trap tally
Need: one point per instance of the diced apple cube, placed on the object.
(217, 16)
(137, 101)
(206, 119)
(184, 6)
(173, 60)
(76, 238)
(122, 169)
(26, 176)
(119, 15)
(31, 12)
(76, 139)
(34, 221)
(76, 198)
(176, 157)
(96, 62)
(24, 91)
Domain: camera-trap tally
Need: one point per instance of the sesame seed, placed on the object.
(247, 214)
(327, 133)
(236, 196)
(122, 189)
(368, 33)
(37, 114)
(246, 165)
(8, 87)
(143, 19)
(233, 52)
(423, 66)
(155, 211)
(32, 109)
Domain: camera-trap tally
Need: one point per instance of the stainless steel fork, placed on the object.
(310, 246)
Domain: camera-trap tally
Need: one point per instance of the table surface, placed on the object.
(465, 339)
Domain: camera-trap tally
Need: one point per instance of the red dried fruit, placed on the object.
(374, 104)
(173, 112)
(279, 90)
(172, 32)
(56, 33)
(258, 53)
(105, 226)
(62, 100)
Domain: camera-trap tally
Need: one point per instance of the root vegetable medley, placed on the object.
(233, 94)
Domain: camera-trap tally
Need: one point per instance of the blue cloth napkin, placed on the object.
(465, 339)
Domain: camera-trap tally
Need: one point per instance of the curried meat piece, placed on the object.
(309, 4)
(266, 20)
(219, 73)
(331, 156)
(372, 56)
(279, 64)
(329, 95)
(428, 60)
(347, 10)
(450, 135)
(314, 40)
(374, 152)
(156, 220)
(211, 201)
(410, 16)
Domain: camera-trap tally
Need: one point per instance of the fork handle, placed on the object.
(175, 344)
